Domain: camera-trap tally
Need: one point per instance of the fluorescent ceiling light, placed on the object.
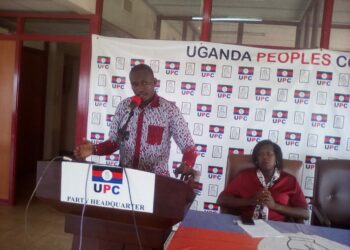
(228, 19)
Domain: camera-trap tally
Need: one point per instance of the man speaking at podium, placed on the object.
(142, 128)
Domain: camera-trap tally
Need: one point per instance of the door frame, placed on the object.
(94, 22)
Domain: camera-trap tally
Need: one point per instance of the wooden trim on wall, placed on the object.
(7, 73)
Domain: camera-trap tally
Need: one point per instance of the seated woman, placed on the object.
(265, 192)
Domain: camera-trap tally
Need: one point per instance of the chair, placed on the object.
(237, 163)
(331, 197)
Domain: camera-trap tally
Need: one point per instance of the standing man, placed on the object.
(142, 132)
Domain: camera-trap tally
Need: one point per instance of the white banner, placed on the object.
(107, 186)
(232, 97)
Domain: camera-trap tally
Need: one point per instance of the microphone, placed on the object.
(134, 103)
(67, 158)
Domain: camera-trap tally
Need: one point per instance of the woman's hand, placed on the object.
(267, 199)
(258, 198)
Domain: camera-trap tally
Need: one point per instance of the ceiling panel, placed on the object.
(280, 10)
(32, 5)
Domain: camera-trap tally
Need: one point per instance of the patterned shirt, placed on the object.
(150, 130)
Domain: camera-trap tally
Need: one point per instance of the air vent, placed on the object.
(128, 5)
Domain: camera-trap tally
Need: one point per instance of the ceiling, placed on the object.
(267, 10)
(286, 10)
(47, 6)
(279, 10)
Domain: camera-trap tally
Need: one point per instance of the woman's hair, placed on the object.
(276, 149)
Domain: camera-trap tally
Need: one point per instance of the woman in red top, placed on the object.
(265, 192)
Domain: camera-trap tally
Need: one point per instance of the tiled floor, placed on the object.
(45, 227)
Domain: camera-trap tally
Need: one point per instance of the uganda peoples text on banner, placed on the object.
(232, 97)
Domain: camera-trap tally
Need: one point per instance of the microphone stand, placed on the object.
(124, 135)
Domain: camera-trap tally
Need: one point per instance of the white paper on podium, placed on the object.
(103, 192)
(260, 229)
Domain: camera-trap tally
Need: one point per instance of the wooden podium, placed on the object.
(110, 228)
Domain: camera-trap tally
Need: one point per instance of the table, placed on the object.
(203, 230)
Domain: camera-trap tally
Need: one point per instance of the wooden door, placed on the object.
(31, 109)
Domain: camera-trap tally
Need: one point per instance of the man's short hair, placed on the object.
(141, 67)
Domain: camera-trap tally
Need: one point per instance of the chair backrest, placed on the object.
(237, 163)
(332, 192)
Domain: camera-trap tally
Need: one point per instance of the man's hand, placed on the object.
(185, 171)
(83, 150)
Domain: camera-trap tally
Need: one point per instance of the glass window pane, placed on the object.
(317, 16)
(224, 32)
(269, 35)
(340, 33)
(56, 27)
(151, 19)
(180, 30)
(193, 31)
(171, 30)
(7, 25)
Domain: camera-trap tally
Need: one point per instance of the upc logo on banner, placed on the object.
(203, 110)
(109, 119)
(216, 131)
(279, 116)
(310, 161)
(109, 177)
(240, 113)
(318, 120)
(292, 139)
(157, 85)
(341, 100)
(301, 96)
(118, 82)
(97, 138)
(134, 62)
(103, 62)
(332, 142)
(198, 187)
(324, 78)
(215, 172)
(262, 94)
(208, 70)
(210, 207)
(172, 68)
(284, 75)
(113, 159)
(245, 73)
(224, 91)
(201, 149)
(101, 100)
(254, 135)
(188, 88)
(175, 165)
(236, 151)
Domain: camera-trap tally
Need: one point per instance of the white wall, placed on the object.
(140, 22)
